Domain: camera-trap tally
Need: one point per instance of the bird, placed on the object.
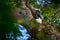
(38, 17)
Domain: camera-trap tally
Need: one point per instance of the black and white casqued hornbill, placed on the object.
(38, 17)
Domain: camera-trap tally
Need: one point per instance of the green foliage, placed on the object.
(33, 23)
(50, 14)
(41, 36)
(55, 1)
(7, 19)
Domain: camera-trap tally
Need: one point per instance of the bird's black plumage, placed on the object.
(37, 15)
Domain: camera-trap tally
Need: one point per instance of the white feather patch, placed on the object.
(39, 20)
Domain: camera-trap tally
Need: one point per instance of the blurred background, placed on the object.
(18, 23)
